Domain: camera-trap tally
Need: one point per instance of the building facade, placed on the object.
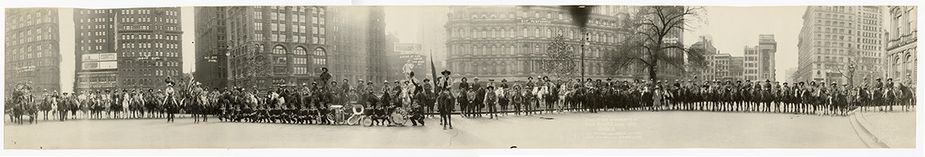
(510, 42)
(900, 58)
(133, 48)
(705, 47)
(840, 43)
(377, 45)
(32, 50)
(736, 68)
(211, 48)
(357, 42)
(767, 50)
(759, 60)
(275, 45)
(349, 47)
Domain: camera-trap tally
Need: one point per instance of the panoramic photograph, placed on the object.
(460, 77)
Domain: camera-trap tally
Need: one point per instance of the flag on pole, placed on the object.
(433, 71)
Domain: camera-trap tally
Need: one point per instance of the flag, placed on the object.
(433, 71)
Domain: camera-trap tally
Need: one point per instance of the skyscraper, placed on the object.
(32, 52)
(275, 45)
(838, 43)
(357, 42)
(211, 47)
(133, 48)
(766, 50)
(377, 44)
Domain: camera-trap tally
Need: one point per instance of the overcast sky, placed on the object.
(733, 28)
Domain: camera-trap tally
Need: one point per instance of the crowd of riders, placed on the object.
(326, 101)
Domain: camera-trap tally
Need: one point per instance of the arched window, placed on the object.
(300, 51)
(279, 50)
(909, 58)
(320, 56)
(548, 32)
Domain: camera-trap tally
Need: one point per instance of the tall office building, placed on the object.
(377, 44)
(275, 45)
(32, 53)
(759, 60)
(211, 47)
(835, 39)
(133, 48)
(357, 43)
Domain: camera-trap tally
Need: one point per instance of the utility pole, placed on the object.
(584, 41)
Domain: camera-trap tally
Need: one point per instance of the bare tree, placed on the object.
(561, 58)
(648, 42)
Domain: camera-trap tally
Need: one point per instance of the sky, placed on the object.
(404, 23)
(66, 47)
(733, 28)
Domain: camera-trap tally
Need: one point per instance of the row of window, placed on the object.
(295, 17)
(837, 44)
(42, 37)
(29, 48)
(149, 36)
(519, 67)
(97, 26)
(511, 49)
(94, 33)
(149, 45)
(129, 64)
(31, 55)
(316, 30)
(136, 19)
(133, 11)
(150, 54)
(301, 9)
(544, 15)
(94, 20)
(16, 24)
(568, 33)
(13, 34)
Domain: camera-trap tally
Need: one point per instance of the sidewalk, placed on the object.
(896, 129)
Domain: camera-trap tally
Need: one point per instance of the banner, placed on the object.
(99, 57)
(99, 65)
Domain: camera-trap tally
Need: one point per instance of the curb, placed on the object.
(866, 135)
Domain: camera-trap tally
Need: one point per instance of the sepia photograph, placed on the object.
(461, 77)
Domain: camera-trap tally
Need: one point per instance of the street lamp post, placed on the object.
(584, 41)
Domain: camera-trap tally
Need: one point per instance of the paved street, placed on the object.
(572, 130)
(895, 129)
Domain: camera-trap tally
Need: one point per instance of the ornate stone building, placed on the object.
(510, 42)
(900, 58)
